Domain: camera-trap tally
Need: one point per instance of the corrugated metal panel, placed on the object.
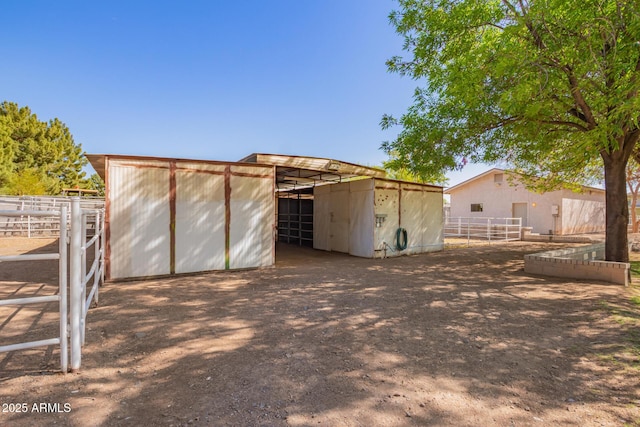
(386, 203)
(139, 218)
(361, 219)
(252, 207)
(339, 217)
(432, 216)
(253, 170)
(322, 218)
(200, 220)
(201, 166)
(412, 219)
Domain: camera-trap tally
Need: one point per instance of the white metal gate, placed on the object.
(72, 290)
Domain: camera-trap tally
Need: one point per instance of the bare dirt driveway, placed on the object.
(463, 338)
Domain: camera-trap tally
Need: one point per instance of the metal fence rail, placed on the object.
(488, 229)
(75, 287)
(30, 225)
(61, 297)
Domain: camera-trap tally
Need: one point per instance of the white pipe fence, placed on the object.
(486, 229)
(29, 225)
(72, 322)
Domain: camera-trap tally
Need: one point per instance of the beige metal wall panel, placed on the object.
(414, 207)
(149, 163)
(200, 221)
(322, 218)
(386, 203)
(361, 185)
(412, 219)
(386, 185)
(339, 217)
(361, 219)
(201, 166)
(433, 222)
(263, 170)
(252, 208)
(139, 218)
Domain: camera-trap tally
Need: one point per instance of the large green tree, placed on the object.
(550, 86)
(36, 156)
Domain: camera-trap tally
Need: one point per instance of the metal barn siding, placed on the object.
(251, 212)
(339, 217)
(171, 216)
(387, 204)
(412, 215)
(139, 218)
(200, 218)
(422, 218)
(322, 217)
(345, 217)
(432, 220)
(361, 218)
(417, 208)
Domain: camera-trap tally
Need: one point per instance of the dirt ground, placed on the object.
(462, 337)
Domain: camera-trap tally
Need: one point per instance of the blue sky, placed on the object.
(210, 79)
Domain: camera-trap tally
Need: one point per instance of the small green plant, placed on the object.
(635, 270)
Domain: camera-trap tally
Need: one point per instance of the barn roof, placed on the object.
(292, 172)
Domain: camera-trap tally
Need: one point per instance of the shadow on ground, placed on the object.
(460, 337)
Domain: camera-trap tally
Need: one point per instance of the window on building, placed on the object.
(498, 177)
(476, 207)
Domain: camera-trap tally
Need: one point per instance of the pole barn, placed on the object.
(172, 216)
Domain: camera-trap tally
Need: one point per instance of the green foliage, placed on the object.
(96, 183)
(397, 170)
(26, 182)
(635, 270)
(548, 86)
(37, 157)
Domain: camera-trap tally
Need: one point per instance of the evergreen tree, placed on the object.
(33, 149)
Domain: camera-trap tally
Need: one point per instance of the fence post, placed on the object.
(96, 256)
(75, 283)
(83, 275)
(506, 229)
(489, 230)
(62, 284)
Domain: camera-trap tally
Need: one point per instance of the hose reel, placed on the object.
(401, 239)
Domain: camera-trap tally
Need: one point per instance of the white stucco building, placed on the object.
(499, 194)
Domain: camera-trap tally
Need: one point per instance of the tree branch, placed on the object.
(527, 22)
(589, 119)
(564, 123)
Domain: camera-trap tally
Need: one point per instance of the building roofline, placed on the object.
(498, 170)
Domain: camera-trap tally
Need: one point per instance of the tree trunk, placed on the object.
(617, 208)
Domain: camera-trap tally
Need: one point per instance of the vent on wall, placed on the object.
(497, 179)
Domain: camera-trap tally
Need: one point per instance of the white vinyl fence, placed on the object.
(485, 229)
(72, 290)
